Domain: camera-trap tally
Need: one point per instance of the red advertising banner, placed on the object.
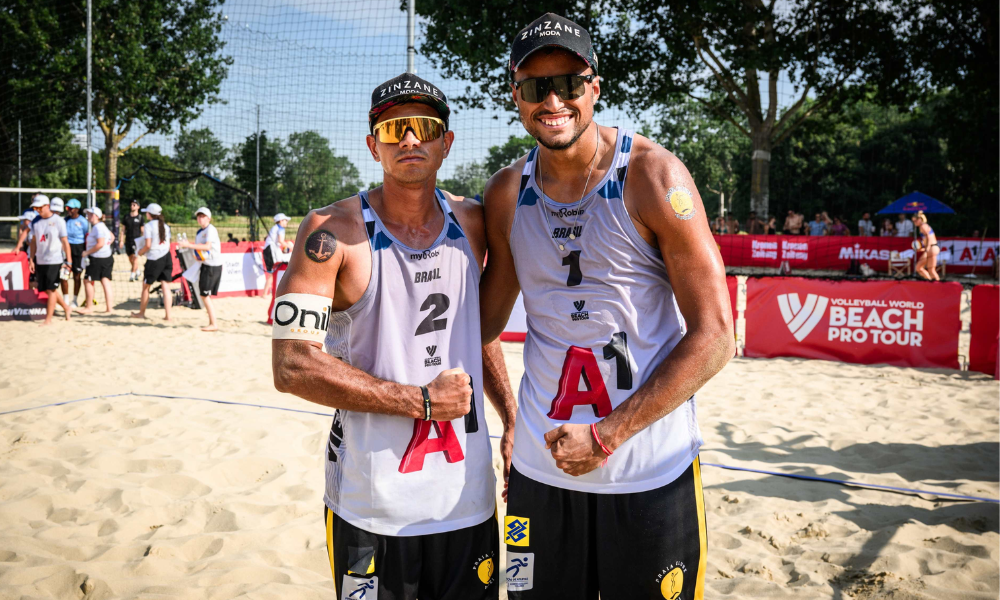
(901, 323)
(985, 328)
(17, 302)
(837, 252)
(732, 285)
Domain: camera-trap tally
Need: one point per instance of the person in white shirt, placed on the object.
(49, 247)
(865, 226)
(100, 263)
(159, 266)
(208, 247)
(276, 249)
(904, 228)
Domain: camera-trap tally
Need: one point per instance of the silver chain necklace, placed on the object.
(541, 186)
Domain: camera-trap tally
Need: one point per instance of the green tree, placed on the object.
(314, 175)
(272, 167)
(514, 148)
(469, 180)
(146, 187)
(40, 88)
(710, 150)
(717, 52)
(200, 151)
(156, 62)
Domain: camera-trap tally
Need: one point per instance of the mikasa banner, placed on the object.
(901, 323)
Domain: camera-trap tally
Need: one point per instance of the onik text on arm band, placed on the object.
(301, 317)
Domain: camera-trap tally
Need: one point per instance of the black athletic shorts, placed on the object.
(563, 544)
(208, 280)
(130, 246)
(47, 277)
(76, 251)
(161, 269)
(455, 565)
(100, 268)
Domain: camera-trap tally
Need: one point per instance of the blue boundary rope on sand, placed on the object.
(844, 482)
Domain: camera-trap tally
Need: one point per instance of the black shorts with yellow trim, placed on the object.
(563, 544)
(454, 565)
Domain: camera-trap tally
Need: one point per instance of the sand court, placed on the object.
(137, 496)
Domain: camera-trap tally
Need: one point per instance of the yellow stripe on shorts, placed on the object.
(329, 544)
(699, 587)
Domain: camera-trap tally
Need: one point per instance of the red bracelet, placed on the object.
(597, 438)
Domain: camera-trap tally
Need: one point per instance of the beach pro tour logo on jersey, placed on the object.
(856, 320)
(520, 571)
(580, 314)
(433, 361)
(801, 319)
(517, 531)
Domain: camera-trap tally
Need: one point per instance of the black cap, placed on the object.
(407, 88)
(552, 30)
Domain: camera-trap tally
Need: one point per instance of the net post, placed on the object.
(91, 200)
(411, 23)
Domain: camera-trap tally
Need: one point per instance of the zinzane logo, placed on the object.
(802, 319)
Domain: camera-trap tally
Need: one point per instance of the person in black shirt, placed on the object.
(132, 231)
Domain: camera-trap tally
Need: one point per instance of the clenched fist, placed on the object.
(451, 395)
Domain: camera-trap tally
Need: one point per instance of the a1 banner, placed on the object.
(984, 329)
(17, 302)
(901, 323)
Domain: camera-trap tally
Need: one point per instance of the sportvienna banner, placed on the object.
(17, 302)
(901, 323)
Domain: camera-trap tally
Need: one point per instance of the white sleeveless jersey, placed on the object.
(601, 317)
(418, 317)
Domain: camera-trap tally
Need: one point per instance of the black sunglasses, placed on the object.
(567, 87)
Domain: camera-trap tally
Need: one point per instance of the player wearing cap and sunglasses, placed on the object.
(377, 316)
(628, 312)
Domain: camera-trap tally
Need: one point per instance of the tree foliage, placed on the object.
(314, 175)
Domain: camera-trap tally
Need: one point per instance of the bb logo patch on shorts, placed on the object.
(516, 531)
(359, 588)
(520, 571)
(485, 569)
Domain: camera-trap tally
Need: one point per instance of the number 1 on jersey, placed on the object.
(572, 260)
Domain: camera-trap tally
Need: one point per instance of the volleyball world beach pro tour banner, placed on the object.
(901, 323)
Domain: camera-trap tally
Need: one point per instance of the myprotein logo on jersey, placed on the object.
(425, 254)
(433, 361)
(855, 320)
(562, 213)
(580, 314)
(427, 276)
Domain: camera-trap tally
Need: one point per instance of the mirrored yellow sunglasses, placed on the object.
(392, 131)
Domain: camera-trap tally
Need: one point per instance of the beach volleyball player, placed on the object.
(378, 317)
(628, 316)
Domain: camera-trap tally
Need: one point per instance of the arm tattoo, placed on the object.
(321, 246)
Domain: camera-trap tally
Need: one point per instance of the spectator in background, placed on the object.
(818, 226)
(208, 246)
(100, 262)
(754, 225)
(887, 229)
(275, 249)
(131, 233)
(76, 234)
(24, 231)
(793, 223)
(47, 257)
(827, 220)
(904, 228)
(839, 228)
(865, 226)
(771, 227)
(159, 265)
(719, 225)
(732, 225)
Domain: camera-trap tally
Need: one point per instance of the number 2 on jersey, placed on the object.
(431, 322)
(580, 364)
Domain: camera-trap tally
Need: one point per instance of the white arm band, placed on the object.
(301, 317)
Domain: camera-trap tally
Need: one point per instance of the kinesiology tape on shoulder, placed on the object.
(301, 317)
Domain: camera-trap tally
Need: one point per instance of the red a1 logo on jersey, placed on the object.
(580, 363)
(421, 444)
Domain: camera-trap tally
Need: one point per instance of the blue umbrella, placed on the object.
(915, 201)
